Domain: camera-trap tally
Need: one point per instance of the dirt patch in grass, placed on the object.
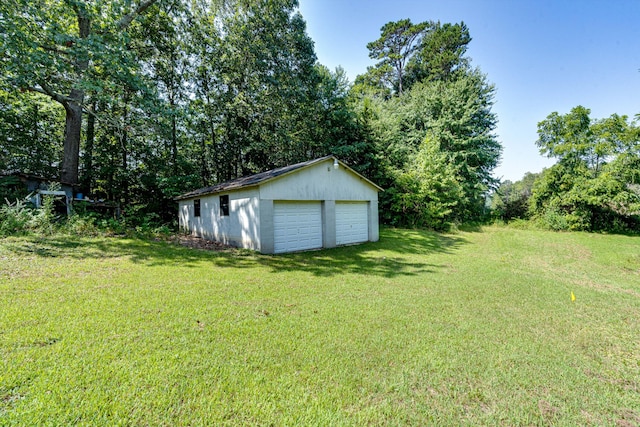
(195, 242)
(605, 287)
(628, 418)
(548, 412)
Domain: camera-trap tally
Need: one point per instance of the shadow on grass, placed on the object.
(399, 252)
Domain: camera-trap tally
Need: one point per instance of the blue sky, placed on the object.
(542, 56)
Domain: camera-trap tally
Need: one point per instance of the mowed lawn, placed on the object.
(471, 328)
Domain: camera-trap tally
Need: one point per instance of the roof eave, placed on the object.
(195, 194)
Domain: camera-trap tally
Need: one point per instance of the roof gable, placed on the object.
(257, 179)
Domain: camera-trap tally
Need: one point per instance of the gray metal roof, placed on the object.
(252, 180)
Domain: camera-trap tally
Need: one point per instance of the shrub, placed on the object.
(553, 219)
(43, 220)
(81, 225)
(14, 218)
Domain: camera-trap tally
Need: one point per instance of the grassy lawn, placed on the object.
(472, 328)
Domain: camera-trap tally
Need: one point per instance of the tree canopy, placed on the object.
(139, 101)
(594, 184)
(63, 50)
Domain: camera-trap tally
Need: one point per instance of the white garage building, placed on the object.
(321, 203)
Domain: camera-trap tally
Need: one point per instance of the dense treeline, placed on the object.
(595, 184)
(165, 97)
(136, 102)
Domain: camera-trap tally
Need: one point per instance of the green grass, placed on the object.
(472, 328)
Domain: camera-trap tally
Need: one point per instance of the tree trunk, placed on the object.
(87, 178)
(124, 183)
(174, 140)
(73, 108)
(72, 132)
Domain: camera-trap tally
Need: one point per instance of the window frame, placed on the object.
(196, 208)
(224, 205)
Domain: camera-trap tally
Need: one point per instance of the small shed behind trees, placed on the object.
(65, 195)
(39, 186)
(321, 203)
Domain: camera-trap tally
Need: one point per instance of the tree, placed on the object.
(439, 95)
(592, 187)
(261, 101)
(426, 193)
(397, 42)
(566, 136)
(440, 54)
(30, 132)
(60, 49)
(511, 199)
(457, 114)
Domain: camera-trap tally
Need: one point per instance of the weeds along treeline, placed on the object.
(22, 218)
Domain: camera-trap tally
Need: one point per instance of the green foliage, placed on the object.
(81, 225)
(511, 199)
(592, 185)
(20, 218)
(456, 115)
(30, 131)
(413, 53)
(44, 219)
(396, 45)
(11, 188)
(554, 219)
(441, 53)
(156, 98)
(14, 218)
(67, 50)
(427, 193)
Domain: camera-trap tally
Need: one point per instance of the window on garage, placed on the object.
(224, 205)
(196, 207)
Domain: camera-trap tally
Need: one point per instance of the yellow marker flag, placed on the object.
(573, 297)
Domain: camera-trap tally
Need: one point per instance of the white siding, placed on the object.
(352, 222)
(319, 182)
(184, 215)
(286, 213)
(244, 222)
(241, 228)
(297, 226)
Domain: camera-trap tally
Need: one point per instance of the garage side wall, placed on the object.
(185, 211)
(266, 227)
(241, 228)
(374, 227)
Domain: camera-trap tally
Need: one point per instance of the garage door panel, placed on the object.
(297, 226)
(352, 223)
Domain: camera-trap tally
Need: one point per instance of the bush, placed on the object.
(21, 218)
(520, 224)
(81, 225)
(553, 219)
(43, 220)
(14, 218)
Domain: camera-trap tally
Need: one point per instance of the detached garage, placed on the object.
(321, 203)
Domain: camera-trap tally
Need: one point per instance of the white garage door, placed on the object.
(352, 223)
(297, 226)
